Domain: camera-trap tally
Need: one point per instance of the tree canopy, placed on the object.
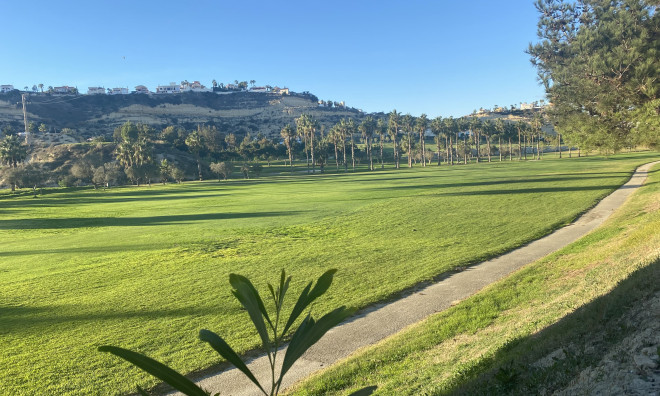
(598, 61)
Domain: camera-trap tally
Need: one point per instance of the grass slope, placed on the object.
(503, 339)
(147, 268)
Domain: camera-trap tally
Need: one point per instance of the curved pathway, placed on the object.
(382, 320)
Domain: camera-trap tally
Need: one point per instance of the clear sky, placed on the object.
(438, 57)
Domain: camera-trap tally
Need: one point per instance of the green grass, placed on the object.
(572, 300)
(147, 268)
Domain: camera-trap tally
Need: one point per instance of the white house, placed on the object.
(168, 89)
(258, 89)
(95, 91)
(195, 86)
(119, 91)
(6, 88)
(141, 89)
(64, 90)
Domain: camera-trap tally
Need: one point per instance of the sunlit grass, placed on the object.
(571, 301)
(147, 268)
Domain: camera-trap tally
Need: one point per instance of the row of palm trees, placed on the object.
(454, 138)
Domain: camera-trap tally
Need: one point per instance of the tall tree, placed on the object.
(381, 130)
(421, 124)
(288, 134)
(367, 128)
(438, 128)
(12, 151)
(598, 61)
(407, 123)
(393, 124)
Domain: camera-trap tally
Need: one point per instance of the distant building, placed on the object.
(526, 106)
(119, 91)
(168, 89)
(141, 89)
(281, 91)
(6, 88)
(95, 91)
(195, 86)
(64, 90)
(232, 87)
(258, 89)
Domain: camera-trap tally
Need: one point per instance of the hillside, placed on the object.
(237, 112)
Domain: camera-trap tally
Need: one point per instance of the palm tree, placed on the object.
(350, 131)
(393, 132)
(407, 122)
(451, 128)
(487, 128)
(335, 135)
(301, 132)
(475, 128)
(499, 130)
(381, 129)
(463, 124)
(41, 87)
(367, 128)
(214, 83)
(437, 126)
(421, 123)
(252, 82)
(288, 134)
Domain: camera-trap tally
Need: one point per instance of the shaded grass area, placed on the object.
(499, 341)
(147, 268)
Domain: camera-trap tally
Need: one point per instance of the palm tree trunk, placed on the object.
(344, 152)
(488, 143)
(499, 147)
(312, 149)
(382, 165)
(538, 147)
(396, 152)
(409, 151)
(334, 140)
(353, 152)
(519, 147)
(438, 143)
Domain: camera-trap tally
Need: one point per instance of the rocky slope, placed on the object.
(238, 112)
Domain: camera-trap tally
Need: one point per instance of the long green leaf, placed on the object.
(298, 309)
(250, 303)
(235, 279)
(157, 369)
(309, 333)
(307, 296)
(322, 284)
(228, 353)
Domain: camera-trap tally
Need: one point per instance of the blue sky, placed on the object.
(435, 57)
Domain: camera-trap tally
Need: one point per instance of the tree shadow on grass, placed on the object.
(89, 249)
(15, 319)
(94, 222)
(512, 182)
(584, 337)
(99, 199)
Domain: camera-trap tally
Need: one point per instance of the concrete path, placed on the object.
(383, 320)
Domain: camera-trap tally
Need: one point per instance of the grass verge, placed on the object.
(498, 340)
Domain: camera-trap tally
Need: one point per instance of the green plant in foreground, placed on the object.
(271, 333)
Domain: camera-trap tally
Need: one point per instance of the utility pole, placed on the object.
(25, 120)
